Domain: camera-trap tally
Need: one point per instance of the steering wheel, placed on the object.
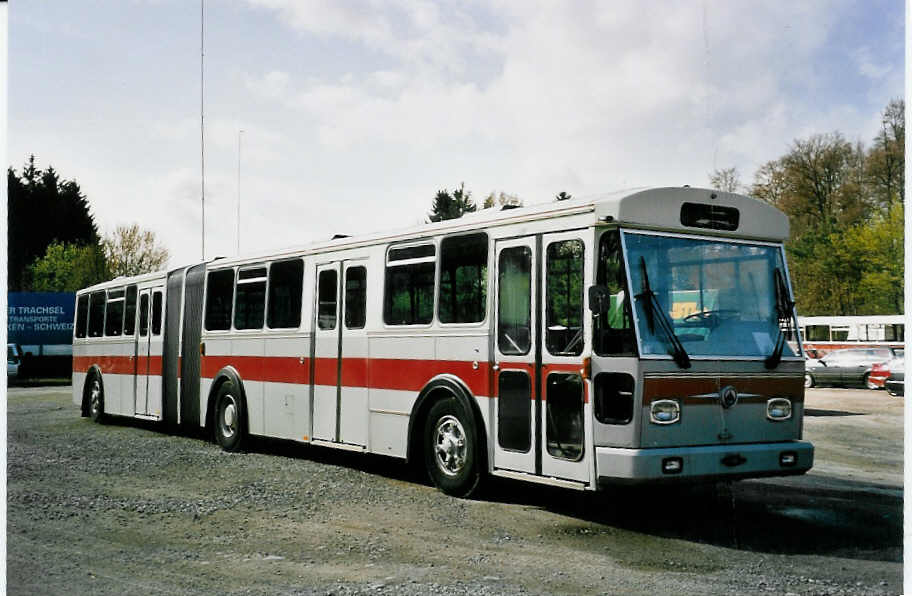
(710, 315)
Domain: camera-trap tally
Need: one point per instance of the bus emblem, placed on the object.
(728, 396)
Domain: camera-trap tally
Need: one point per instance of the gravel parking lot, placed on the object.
(124, 508)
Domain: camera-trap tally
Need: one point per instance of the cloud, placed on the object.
(868, 66)
(355, 113)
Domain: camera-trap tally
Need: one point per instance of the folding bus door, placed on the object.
(156, 349)
(565, 412)
(353, 405)
(142, 352)
(327, 341)
(515, 353)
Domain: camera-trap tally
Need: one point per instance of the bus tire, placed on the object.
(230, 418)
(95, 395)
(451, 449)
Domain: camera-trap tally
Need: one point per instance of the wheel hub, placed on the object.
(229, 417)
(451, 449)
(96, 397)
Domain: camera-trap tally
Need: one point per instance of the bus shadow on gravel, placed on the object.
(801, 515)
(835, 517)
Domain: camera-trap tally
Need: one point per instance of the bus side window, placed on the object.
(286, 280)
(157, 313)
(250, 298)
(409, 290)
(612, 330)
(129, 325)
(144, 315)
(219, 294)
(97, 313)
(463, 279)
(114, 313)
(82, 315)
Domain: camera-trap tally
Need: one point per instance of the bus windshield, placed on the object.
(719, 296)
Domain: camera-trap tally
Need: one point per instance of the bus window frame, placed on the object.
(433, 241)
(108, 300)
(488, 283)
(269, 265)
(237, 282)
(209, 272)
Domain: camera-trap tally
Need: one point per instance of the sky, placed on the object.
(355, 113)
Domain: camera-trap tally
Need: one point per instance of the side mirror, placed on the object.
(599, 299)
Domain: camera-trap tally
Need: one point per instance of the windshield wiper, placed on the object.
(655, 313)
(784, 308)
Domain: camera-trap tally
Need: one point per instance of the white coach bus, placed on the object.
(635, 337)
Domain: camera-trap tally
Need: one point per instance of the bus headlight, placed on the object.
(664, 411)
(779, 408)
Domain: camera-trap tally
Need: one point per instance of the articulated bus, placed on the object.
(635, 337)
(822, 335)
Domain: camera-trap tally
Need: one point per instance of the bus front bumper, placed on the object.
(705, 463)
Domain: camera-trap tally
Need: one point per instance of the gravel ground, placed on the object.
(124, 508)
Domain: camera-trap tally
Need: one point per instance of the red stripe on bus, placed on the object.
(398, 374)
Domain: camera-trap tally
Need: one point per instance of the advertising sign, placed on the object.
(40, 318)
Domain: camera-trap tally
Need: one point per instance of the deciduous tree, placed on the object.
(67, 268)
(132, 251)
(726, 180)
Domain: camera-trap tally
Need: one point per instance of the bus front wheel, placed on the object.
(230, 418)
(450, 449)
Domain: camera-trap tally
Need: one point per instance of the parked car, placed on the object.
(881, 370)
(13, 360)
(895, 383)
(879, 373)
(846, 367)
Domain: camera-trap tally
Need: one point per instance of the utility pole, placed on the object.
(202, 141)
(240, 132)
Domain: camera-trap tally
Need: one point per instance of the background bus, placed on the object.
(821, 335)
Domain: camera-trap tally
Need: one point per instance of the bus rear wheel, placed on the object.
(230, 418)
(451, 449)
(96, 399)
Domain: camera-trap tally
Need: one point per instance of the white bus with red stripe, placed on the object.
(632, 337)
(823, 334)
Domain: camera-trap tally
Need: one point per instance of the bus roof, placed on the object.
(644, 208)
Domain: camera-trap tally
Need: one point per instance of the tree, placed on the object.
(878, 247)
(562, 196)
(132, 251)
(844, 203)
(726, 180)
(43, 208)
(501, 199)
(886, 159)
(452, 206)
(67, 268)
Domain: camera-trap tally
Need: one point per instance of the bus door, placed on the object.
(142, 352)
(353, 406)
(565, 418)
(148, 352)
(155, 352)
(327, 344)
(515, 352)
